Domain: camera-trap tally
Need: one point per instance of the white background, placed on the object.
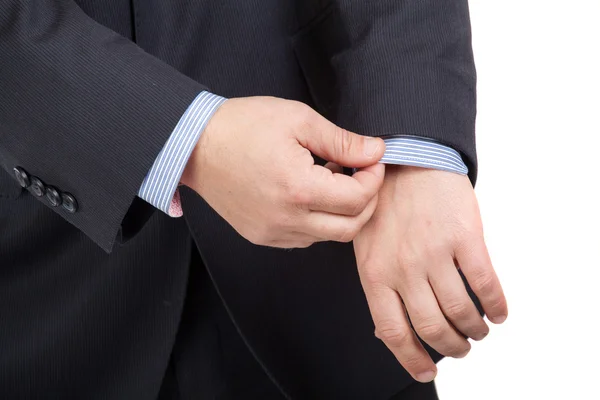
(538, 135)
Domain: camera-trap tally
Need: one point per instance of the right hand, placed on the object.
(253, 166)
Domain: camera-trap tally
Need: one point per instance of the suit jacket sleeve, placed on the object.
(83, 109)
(394, 67)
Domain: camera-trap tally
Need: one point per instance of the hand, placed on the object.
(253, 165)
(427, 225)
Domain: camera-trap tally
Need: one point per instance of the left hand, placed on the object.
(426, 225)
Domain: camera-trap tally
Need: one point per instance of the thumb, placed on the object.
(343, 147)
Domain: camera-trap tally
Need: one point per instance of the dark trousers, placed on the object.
(211, 361)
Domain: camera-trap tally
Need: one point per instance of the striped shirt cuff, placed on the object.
(161, 182)
(422, 152)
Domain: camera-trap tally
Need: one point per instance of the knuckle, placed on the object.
(306, 119)
(409, 265)
(409, 256)
(356, 206)
(345, 237)
(459, 231)
(355, 229)
(468, 239)
(343, 141)
(457, 310)
(413, 362)
(484, 282)
(433, 248)
(473, 228)
(303, 113)
(393, 335)
(297, 193)
(436, 249)
(360, 203)
(307, 114)
(348, 233)
(413, 279)
(372, 274)
(432, 331)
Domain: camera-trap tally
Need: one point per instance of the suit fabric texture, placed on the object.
(96, 304)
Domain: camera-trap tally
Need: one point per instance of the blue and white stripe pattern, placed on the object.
(161, 182)
(420, 152)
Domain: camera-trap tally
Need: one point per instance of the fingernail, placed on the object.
(498, 319)
(425, 377)
(371, 146)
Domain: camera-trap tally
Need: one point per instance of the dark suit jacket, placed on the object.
(91, 302)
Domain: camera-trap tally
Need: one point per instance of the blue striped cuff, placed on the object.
(422, 152)
(161, 182)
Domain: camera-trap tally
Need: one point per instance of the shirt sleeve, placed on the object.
(422, 152)
(160, 185)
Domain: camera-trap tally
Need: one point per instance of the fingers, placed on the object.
(473, 258)
(339, 228)
(455, 302)
(340, 194)
(393, 328)
(343, 147)
(429, 321)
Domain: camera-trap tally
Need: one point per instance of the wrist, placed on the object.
(395, 172)
(192, 172)
(187, 178)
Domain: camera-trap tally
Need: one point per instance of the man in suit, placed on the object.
(109, 132)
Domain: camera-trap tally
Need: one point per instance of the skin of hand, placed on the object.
(253, 166)
(426, 226)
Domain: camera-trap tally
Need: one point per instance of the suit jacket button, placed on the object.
(53, 196)
(22, 177)
(69, 203)
(38, 188)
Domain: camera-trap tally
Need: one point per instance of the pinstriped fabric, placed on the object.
(416, 152)
(161, 182)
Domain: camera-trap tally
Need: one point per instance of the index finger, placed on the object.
(345, 195)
